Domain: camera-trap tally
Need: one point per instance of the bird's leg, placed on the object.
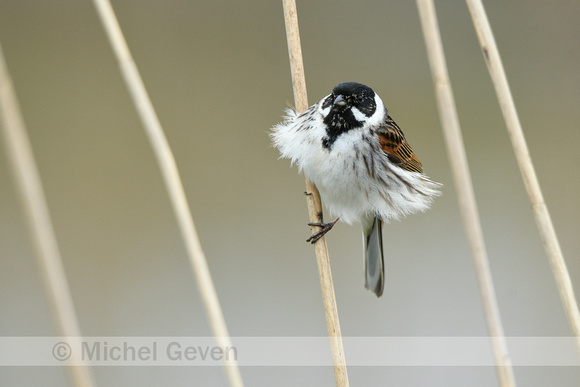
(325, 227)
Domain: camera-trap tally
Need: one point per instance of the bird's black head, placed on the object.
(348, 107)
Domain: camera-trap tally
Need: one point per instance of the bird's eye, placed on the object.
(360, 98)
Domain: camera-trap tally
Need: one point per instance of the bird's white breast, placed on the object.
(337, 172)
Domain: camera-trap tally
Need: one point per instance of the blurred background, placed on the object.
(218, 75)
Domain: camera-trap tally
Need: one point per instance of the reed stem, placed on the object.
(172, 181)
(29, 185)
(516, 133)
(314, 203)
(464, 187)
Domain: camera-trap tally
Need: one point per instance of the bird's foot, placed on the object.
(325, 227)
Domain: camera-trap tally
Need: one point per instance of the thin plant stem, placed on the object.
(172, 181)
(29, 185)
(514, 127)
(464, 187)
(314, 203)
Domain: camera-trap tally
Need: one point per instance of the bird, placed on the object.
(349, 146)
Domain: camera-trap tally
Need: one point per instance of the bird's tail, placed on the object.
(374, 262)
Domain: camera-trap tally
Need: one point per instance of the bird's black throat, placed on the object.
(337, 122)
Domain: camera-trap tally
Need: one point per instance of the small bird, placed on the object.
(348, 145)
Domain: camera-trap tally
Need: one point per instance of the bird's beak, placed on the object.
(339, 101)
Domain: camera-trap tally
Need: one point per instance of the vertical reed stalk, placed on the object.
(514, 127)
(313, 201)
(172, 181)
(464, 187)
(29, 185)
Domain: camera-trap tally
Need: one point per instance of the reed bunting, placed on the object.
(348, 145)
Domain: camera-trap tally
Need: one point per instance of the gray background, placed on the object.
(218, 75)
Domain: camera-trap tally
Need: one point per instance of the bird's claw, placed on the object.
(325, 227)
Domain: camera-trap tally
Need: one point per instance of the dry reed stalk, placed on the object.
(514, 127)
(464, 187)
(172, 181)
(313, 201)
(29, 185)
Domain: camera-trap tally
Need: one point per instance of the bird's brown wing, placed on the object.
(396, 147)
